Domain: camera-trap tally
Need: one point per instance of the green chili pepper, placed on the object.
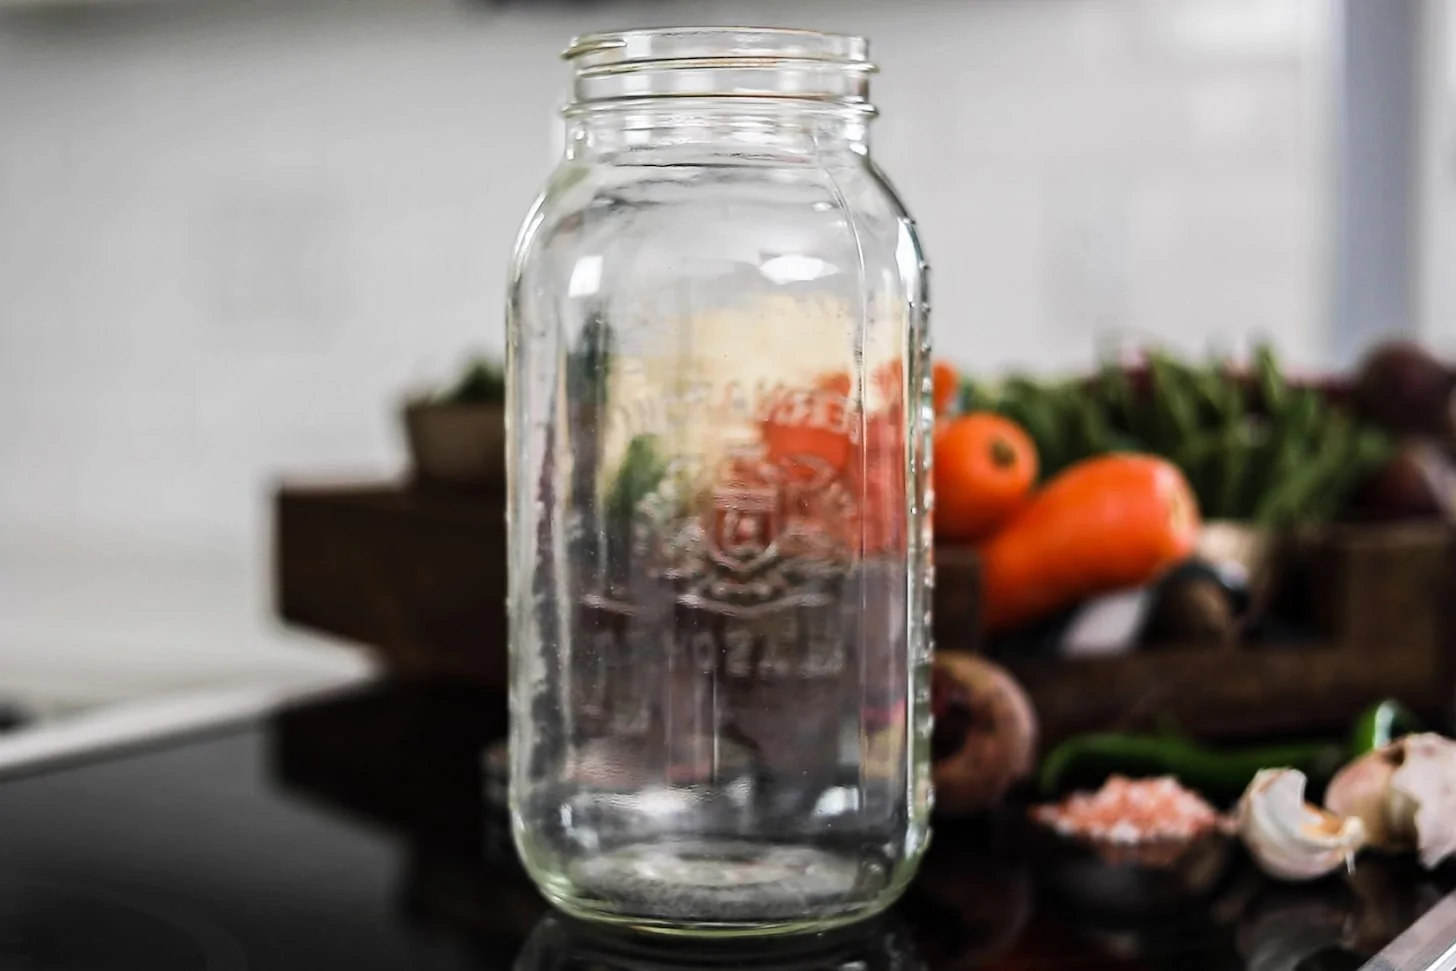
(1087, 761)
(1381, 725)
(1219, 773)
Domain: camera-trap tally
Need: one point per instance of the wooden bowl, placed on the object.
(1155, 877)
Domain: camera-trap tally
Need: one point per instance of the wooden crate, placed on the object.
(417, 576)
(1382, 597)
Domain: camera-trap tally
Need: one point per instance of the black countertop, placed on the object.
(354, 833)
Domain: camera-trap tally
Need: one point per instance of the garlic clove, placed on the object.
(1405, 794)
(1289, 838)
(1359, 790)
(1421, 801)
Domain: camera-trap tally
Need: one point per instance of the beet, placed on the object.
(1416, 483)
(986, 728)
(1402, 388)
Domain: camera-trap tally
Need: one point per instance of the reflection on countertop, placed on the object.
(409, 756)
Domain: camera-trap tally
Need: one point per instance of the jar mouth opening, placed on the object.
(720, 62)
(659, 44)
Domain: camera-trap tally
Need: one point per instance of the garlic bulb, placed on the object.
(1405, 794)
(1289, 838)
(1359, 790)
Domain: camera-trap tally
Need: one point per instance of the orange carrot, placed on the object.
(1106, 523)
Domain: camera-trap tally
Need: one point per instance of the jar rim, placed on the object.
(613, 67)
(644, 45)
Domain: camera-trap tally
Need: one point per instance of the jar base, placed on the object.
(725, 887)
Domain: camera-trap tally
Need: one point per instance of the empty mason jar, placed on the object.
(719, 440)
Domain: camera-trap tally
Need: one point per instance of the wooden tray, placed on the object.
(419, 577)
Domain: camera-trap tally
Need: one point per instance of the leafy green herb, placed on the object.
(483, 382)
(1253, 446)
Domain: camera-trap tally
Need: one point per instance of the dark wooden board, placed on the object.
(1383, 596)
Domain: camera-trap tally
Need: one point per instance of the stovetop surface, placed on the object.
(353, 833)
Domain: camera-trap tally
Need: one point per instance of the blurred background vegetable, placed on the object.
(1254, 446)
(1104, 524)
(1219, 774)
(985, 732)
(1403, 388)
(985, 466)
(483, 381)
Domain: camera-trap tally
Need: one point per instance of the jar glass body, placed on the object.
(719, 576)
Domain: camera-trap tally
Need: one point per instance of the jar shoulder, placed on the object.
(690, 205)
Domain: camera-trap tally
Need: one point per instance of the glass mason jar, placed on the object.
(719, 418)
